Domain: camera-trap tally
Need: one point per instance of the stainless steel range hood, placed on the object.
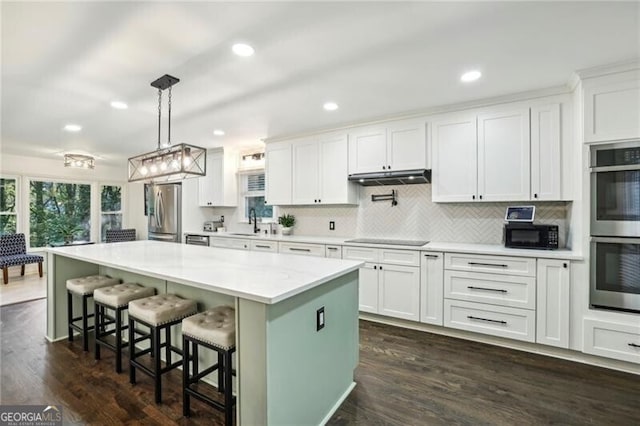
(401, 177)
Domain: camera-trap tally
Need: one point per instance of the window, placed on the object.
(253, 196)
(58, 213)
(8, 213)
(110, 209)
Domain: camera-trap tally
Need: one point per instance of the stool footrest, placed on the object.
(204, 398)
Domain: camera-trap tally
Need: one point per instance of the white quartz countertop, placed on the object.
(488, 249)
(263, 277)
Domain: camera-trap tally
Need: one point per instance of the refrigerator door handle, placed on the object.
(160, 215)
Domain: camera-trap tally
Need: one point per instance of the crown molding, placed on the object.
(617, 67)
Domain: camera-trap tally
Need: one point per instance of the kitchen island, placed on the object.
(289, 370)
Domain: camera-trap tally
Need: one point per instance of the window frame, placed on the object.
(18, 204)
(244, 194)
(123, 188)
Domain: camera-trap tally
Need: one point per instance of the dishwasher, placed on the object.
(197, 240)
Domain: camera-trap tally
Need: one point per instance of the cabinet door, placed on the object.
(368, 150)
(553, 302)
(333, 252)
(503, 156)
(454, 159)
(368, 288)
(407, 145)
(334, 187)
(210, 187)
(431, 285)
(305, 172)
(612, 108)
(399, 289)
(545, 152)
(278, 173)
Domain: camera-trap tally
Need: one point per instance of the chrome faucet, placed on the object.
(255, 220)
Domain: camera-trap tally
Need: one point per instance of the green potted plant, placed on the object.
(287, 221)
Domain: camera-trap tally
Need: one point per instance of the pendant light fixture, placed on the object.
(168, 162)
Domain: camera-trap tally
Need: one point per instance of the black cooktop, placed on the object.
(390, 242)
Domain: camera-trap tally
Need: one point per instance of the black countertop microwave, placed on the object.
(530, 236)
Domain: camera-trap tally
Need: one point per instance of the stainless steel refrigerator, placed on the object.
(164, 209)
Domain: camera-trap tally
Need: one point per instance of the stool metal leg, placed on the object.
(220, 372)
(167, 348)
(118, 340)
(97, 320)
(85, 325)
(156, 364)
(186, 398)
(70, 314)
(228, 393)
(132, 352)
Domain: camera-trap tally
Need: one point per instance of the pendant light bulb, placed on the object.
(144, 171)
(163, 165)
(153, 168)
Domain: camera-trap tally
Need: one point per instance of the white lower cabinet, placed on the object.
(431, 287)
(234, 243)
(552, 324)
(513, 323)
(505, 290)
(391, 289)
(333, 252)
(612, 340)
(270, 246)
(304, 249)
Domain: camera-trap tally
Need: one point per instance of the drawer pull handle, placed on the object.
(497, 290)
(432, 256)
(498, 265)
(299, 249)
(332, 248)
(486, 319)
(633, 345)
(260, 246)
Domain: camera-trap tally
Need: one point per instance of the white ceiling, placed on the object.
(64, 62)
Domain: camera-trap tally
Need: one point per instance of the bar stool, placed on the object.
(156, 313)
(84, 288)
(214, 329)
(114, 298)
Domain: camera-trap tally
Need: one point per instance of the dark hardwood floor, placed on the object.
(405, 377)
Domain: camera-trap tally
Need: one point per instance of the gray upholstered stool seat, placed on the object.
(121, 294)
(87, 285)
(84, 287)
(114, 299)
(216, 326)
(157, 313)
(214, 329)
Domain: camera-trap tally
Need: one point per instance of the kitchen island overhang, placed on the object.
(288, 371)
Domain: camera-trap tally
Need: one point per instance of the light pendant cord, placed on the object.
(159, 115)
(169, 135)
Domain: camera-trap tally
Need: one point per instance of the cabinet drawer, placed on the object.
(493, 264)
(512, 323)
(302, 248)
(218, 242)
(612, 340)
(360, 253)
(239, 244)
(258, 245)
(503, 290)
(333, 252)
(399, 257)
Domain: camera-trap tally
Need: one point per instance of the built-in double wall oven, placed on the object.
(615, 226)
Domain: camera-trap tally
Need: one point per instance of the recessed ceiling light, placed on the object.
(72, 127)
(470, 76)
(218, 132)
(119, 105)
(242, 49)
(330, 106)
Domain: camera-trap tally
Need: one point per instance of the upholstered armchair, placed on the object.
(119, 235)
(13, 252)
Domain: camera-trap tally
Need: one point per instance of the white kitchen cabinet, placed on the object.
(278, 173)
(503, 156)
(553, 288)
(304, 249)
(431, 285)
(612, 107)
(546, 182)
(396, 145)
(391, 289)
(233, 243)
(261, 245)
(319, 167)
(612, 340)
(399, 288)
(333, 252)
(454, 158)
(505, 290)
(219, 187)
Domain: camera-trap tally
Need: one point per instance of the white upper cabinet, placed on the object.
(396, 145)
(219, 186)
(546, 155)
(319, 171)
(503, 155)
(367, 150)
(454, 152)
(612, 107)
(278, 173)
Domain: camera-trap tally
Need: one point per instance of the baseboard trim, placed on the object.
(338, 404)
